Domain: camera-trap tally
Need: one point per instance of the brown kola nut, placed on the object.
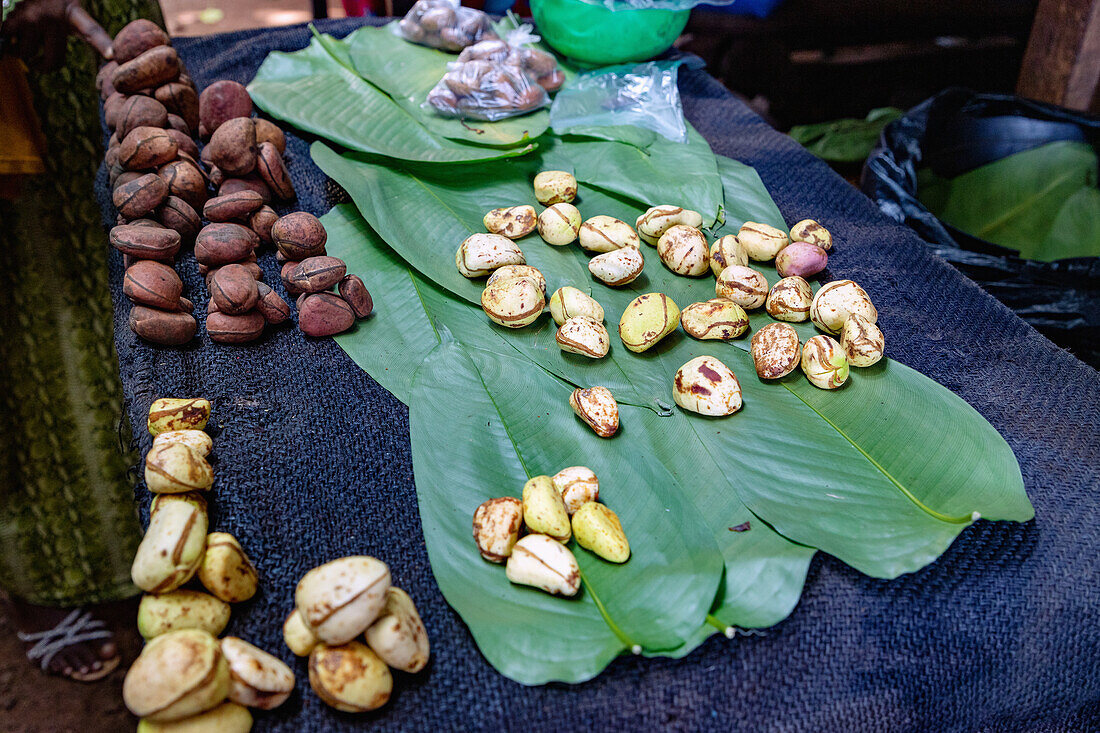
(136, 38)
(143, 242)
(185, 181)
(186, 305)
(316, 274)
(299, 235)
(250, 183)
(180, 216)
(138, 197)
(146, 147)
(111, 107)
(162, 327)
(271, 306)
(110, 158)
(356, 294)
(233, 290)
(233, 146)
(180, 99)
(324, 314)
(232, 206)
(121, 177)
(159, 65)
(284, 274)
(269, 132)
(138, 111)
(184, 143)
(153, 284)
(103, 83)
(269, 164)
(229, 329)
(222, 244)
(223, 100)
(261, 222)
(177, 123)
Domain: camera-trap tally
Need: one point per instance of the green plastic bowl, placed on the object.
(595, 36)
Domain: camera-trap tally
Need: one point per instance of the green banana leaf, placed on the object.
(499, 432)
(764, 572)
(884, 506)
(1043, 202)
(848, 140)
(407, 72)
(317, 90)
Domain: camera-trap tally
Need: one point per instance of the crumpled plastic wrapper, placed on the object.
(486, 90)
(446, 25)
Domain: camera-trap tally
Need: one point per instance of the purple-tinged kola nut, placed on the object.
(233, 146)
(233, 289)
(162, 327)
(231, 206)
(222, 244)
(261, 222)
(177, 214)
(221, 101)
(356, 294)
(184, 143)
(182, 100)
(152, 243)
(154, 284)
(802, 259)
(317, 274)
(271, 306)
(138, 197)
(269, 164)
(324, 314)
(299, 235)
(229, 329)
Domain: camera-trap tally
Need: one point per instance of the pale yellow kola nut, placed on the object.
(584, 336)
(683, 249)
(177, 675)
(707, 386)
(497, 523)
(617, 268)
(340, 599)
(544, 563)
(598, 408)
(181, 609)
(176, 468)
(512, 221)
(862, 340)
(598, 529)
(835, 301)
(398, 635)
(824, 363)
(480, 254)
(762, 242)
(229, 717)
(299, 639)
(568, 302)
(176, 413)
(659, 219)
(810, 231)
(648, 319)
(512, 272)
(226, 570)
(172, 548)
(256, 679)
(559, 224)
(577, 484)
(743, 285)
(197, 440)
(789, 300)
(555, 187)
(775, 350)
(513, 303)
(727, 251)
(350, 677)
(606, 234)
(544, 509)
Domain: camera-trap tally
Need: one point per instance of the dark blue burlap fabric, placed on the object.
(999, 634)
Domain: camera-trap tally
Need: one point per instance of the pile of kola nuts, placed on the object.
(169, 195)
(515, 296)
(553, 510)
(185, 677)
(354, 625)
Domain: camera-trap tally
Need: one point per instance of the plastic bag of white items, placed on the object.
(539, 65)
(486, 90)
(445, 24)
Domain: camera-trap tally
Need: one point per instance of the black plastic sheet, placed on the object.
(959, 130)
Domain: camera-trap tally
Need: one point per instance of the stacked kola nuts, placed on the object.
(553, 510)
(185, 675)
(336, 604)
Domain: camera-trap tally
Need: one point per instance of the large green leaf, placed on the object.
(407, 72)
(847, 140)
(899, 497)
(317, 90)
(499, 414)
(1042, 202)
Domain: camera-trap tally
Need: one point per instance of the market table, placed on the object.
(312, 462)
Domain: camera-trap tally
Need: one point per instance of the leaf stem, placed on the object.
(630, 644)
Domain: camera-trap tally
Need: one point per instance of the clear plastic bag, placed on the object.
(496, 79)
(643, 95)
(445, 24)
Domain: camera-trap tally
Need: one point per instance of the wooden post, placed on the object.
(1062, 61)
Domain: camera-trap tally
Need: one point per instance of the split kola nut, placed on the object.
(542, 562)
(514, 303)
(727, 251)
(598, 529)
(789, 300)
(619, 267)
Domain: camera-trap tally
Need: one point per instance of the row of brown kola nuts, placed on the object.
(515, 296)
(186, 678)
(160, 182)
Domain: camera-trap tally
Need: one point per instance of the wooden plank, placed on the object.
(1062, 61)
